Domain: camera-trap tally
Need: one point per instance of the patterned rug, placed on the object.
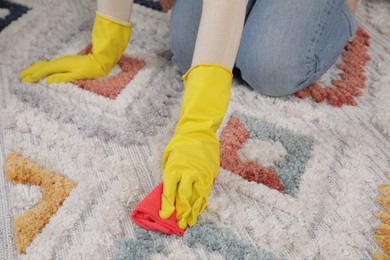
(302, 177)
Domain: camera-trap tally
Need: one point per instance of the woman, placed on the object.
(279, 46)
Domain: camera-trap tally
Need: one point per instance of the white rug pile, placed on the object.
(77, 158)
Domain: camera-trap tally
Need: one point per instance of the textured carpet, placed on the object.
(299, 175)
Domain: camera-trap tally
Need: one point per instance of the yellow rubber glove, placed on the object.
(109, 41)
(191, 159)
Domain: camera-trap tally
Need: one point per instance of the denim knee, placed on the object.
(288, 45)
(183, 30)
(182, 51)
(271, 73)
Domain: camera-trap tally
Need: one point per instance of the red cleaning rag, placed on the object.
(146, 215)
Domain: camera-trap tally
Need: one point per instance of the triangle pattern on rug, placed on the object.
(285, 175)
(55, 189)
(233, 138)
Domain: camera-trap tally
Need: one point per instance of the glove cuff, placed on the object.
(112, 19)
(221, 68)
(117, 10)
(109, 41)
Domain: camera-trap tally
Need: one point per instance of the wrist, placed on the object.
(112, 19)
(115, 10)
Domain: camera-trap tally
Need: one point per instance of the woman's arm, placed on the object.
(219, 32)
(191, 159)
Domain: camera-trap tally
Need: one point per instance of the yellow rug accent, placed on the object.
(383, 237)
(55, 190)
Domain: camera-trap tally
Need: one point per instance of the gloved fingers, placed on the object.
(58, 65)
(203, 206)
(197, 208)
(30, 70)
(199, 200)
(43, 70)
(168, 197)
(183, 198)
(63, 77)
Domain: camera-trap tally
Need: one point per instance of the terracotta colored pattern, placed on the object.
(233, 138)
(344, 90)
(167, 5)
(162, 5)
(55, 190)
(111, 86)
(285, 173)
(383, 237)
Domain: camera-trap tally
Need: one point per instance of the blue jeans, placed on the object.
(285, 45)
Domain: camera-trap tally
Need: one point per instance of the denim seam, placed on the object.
(312, 53)
(321, 69)
(320, 30)
(313, 74)
(351, 20)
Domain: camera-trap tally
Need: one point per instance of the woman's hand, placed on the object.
(109, 41)
(191, 163)
(191, 159)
